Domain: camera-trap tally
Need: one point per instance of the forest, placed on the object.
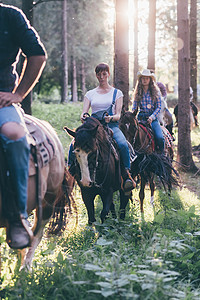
(152, 255)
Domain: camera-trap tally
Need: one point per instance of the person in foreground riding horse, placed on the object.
(106, 98)
(147, 98)
(166, 113)
(17, 36)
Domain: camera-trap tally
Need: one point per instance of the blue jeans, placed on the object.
(17, 155)
(122, 144)
(160, 142)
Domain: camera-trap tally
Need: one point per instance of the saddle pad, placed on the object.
(132, 153)
(167, 136)
(44, 146)
(151, 138)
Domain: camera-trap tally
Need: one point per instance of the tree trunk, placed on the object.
(64, 58)
(27, 7)
(135, 42)
(193, 48)
(121, 58)
(74, 81)
(152, 35)
(83, 88)
(184, 140)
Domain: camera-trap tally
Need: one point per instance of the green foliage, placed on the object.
(156, 256)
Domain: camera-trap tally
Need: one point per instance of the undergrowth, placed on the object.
(151, 256)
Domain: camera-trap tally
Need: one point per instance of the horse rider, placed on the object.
(147, 98)
(193, 111)
(166, 113)
(106, 98)
(17, 36)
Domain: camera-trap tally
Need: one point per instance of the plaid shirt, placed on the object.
(147, 107)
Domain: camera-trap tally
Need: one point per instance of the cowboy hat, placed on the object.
(146, 72)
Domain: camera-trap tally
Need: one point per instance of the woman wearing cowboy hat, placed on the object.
(147, 98)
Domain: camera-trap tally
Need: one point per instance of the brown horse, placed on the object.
(97, 168)
(193, 115)
(142, 141)
(54, 185)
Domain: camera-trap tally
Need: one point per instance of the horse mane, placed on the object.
(93, 125)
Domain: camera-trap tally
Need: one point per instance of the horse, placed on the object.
(97, 168)
(49, 184)
(193, 115)
(165, 117)
(153, 163)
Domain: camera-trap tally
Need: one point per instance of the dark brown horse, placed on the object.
(97, 168)
(143, 142)
(193, 114)
(54, 186)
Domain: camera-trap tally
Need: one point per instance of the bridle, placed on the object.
(142, 148)
(94, 183)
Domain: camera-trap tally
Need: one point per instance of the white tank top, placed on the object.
(102, 101)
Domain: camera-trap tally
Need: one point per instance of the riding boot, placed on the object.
(17, 157)
(128, 182)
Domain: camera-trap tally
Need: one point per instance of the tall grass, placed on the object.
(155, 256)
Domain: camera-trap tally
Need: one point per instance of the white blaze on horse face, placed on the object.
(82, 158)
(127, 126)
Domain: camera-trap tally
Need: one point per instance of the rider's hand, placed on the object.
(150, 120)
(6, 99)
(84, 116)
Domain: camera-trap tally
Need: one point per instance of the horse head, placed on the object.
(129, 125)
(86, 146)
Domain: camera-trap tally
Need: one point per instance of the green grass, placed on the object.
(155, 256)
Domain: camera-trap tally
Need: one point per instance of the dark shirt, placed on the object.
(16, 35)
(162, 89)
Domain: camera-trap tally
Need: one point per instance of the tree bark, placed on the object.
(135, 42)
(193, 48)
(184, 140)
(152, 35)
(121, 45)
(64, 58)
(83, 88)
(74, 81)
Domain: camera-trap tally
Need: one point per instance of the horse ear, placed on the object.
(69, 131)
(135, 112)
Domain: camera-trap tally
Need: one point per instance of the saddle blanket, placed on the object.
(167, 136)
(44, 146)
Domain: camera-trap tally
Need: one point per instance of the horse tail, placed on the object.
(159, 165)
(64, 205)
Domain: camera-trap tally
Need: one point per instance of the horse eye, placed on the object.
(77, 150)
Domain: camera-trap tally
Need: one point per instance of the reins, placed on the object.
(137, 132)
(96, 165)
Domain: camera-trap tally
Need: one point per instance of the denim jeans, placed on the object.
(160, 142)
(17, 154)
(122, 144)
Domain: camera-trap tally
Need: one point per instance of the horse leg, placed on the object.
(112, 210)
(141, 193)
(88, 199)
(123, 203)
(152, 188)
(31, 251)
(107, 201)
